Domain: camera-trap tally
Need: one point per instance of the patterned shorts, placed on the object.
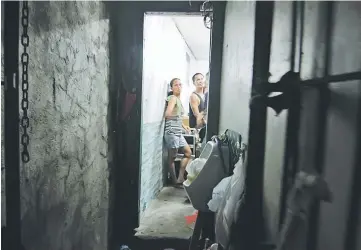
(175, 141)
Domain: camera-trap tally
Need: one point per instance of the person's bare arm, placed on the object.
(205, 116)
(194, 101)
(171, 104)
(187, 128)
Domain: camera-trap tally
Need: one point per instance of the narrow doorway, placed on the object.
(175, 46)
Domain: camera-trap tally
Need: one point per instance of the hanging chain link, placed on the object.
(24, 83)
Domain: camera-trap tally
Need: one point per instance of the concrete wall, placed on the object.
(236, 87)
(164, 58)
(199, 66)
(64, 187)
(235, 91)
(237, 65)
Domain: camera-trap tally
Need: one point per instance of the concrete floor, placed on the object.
(165, 216)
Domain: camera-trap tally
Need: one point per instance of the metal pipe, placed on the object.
(294, 34)
(319, 82)
(289, 162)
(322, 122)
(302, 29)
(12, 143)
(257, 125)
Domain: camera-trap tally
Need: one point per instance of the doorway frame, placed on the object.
(126, 72)
(12, 229)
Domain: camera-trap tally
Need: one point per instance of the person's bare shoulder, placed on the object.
(172, 98)
(194, 98)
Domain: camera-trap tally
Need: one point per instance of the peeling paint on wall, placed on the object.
(64, 187)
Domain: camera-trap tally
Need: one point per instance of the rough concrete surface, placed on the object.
(165, 216)
(64, 187)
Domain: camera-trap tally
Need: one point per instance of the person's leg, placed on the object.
(187, 156)
(202, 134)
(172, 153)
(172, 143)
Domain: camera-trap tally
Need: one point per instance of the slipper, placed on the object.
(190, 219)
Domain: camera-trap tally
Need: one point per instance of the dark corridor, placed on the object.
(61, 198)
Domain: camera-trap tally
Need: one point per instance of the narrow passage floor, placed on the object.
(165, 217)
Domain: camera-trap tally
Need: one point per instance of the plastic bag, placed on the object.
(231, 202)
(214, 246)
(194, 168)
(236, 189)
(218, 194)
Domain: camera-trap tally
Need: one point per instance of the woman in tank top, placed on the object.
(173, 132)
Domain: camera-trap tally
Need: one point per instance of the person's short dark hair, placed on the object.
(194, 76)
(172, 81)
(170, 93)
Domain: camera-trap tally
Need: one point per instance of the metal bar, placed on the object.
(291, 136)
(322, 124)
(302, 29)
(328, 38)
(257, 125)
(294, 34)
(12, 143)
(215, 69)
(318, 82)
(172, 7)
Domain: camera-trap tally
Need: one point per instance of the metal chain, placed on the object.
(24, 83)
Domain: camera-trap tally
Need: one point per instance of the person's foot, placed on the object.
(181, 181)
(178, 185)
